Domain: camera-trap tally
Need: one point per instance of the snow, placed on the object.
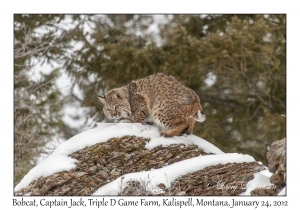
(60, 161)
(283, 191)
(261, 180)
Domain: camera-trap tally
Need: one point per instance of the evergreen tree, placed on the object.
(37, 101)
(244, 55)
(235, 63)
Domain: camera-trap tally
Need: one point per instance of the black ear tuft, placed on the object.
(102, 98)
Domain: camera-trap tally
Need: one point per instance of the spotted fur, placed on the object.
(160, 99)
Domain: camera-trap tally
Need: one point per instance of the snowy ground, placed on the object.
(60, 161)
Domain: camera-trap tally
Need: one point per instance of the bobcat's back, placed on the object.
(162, 99)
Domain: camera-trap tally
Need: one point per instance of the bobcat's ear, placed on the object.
(102, 98)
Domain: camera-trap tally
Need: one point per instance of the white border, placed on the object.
(154, 6)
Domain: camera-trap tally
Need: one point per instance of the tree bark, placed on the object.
(104, 162)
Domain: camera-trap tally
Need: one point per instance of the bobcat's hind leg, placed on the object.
(185, 127)
(177, 131)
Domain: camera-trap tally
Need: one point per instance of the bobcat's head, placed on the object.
(116, 103)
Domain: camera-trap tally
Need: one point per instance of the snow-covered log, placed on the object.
(132, 159)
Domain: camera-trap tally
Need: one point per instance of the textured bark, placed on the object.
(104, 162)
(277, 165)
(277, 162)
(222, 179)
(272, 190)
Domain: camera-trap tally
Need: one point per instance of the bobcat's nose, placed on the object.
(114, 113)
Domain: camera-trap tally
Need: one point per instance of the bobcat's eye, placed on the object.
(108, 110)
(118, 96)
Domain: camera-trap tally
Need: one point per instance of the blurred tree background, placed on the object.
(235, 63)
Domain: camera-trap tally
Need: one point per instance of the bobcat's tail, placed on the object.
(199, 116)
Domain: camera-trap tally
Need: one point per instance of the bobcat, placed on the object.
(160, 99)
